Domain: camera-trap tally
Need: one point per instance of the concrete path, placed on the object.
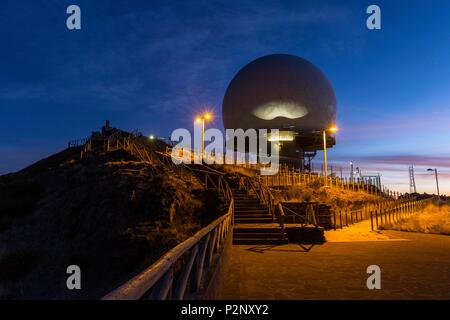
(413, 266)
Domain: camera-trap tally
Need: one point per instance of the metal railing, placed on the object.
(375, 212)
(130, 144)
(308, 219)
(265, 196)
(261, 191)
(214, 180)
(397, 212)
(197, 255)
(290, 177)
(282, 218)
(345, 218)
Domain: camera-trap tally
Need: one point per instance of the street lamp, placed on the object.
(437, 181)
(201, 119)
(325, 165)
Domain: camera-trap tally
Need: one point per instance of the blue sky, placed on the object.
(152, 65)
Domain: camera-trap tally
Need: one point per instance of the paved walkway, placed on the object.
(413, 266)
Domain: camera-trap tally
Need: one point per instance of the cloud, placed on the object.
(396, 124)
(394, 169)
(404, 159)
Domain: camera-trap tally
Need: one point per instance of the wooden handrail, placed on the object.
(140, 285)
(158, 279)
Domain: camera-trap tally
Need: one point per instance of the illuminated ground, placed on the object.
(414, 266)
(360, 231)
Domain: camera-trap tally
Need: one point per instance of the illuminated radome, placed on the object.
(279, 91)
(275, 109)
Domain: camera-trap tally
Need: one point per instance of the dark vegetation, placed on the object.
(108, 213)
(16, 264)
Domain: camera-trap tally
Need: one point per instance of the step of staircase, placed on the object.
(253, 223)
(248, 204)
(249, 215)
(248, 228)
(248, 211)
(245, 198)
(252, 220)
(262, 213)
(258, 235)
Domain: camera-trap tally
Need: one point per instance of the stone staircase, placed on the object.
(252, 222)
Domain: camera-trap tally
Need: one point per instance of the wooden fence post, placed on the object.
(371, 220)
(334, 218)
(376, 218)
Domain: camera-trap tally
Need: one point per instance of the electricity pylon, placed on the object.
(412, 180)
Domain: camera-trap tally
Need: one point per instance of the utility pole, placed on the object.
(437, 181)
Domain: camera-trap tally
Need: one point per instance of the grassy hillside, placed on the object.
(108, 213)
(338, 199)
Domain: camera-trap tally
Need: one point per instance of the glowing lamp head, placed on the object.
(204, 117)
(151, 137)
(333, 129)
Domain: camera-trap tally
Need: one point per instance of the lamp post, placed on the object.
(201, 119)
(325, 165)
(437, 181)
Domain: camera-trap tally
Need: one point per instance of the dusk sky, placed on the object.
(152, 65)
